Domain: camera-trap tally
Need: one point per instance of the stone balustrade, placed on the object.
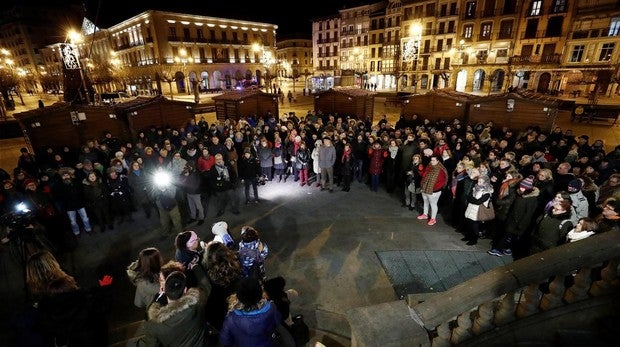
(574, 274)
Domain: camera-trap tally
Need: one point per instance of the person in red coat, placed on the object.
(377, 156)
(434, 178)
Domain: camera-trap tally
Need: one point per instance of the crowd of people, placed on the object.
(525, 189)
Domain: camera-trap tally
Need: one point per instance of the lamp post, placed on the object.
(71, 58)
(268, 59)
(184, 59)
(412, 51)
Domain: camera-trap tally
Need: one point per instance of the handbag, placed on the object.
(486, 213)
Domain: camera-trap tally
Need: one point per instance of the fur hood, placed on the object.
(160, 314)
(235, 304)
(533, 194)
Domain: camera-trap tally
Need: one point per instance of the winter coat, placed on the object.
(279, 158)
(580, 206)
(191, 183)
(74, 318)
(180, 323)
(327, 156)
(502, 205)
(265, 155)
(521, 213)
(550, 231)
(251, 328)
(377, 158)
(145, 290)
(96, 194)
(303, 158)
(474, 200)
(139, 184)
(70, 195)
(249, 168)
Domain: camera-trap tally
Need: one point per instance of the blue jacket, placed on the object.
(251, 328)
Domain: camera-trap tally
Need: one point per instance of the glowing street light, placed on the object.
(412, 50)
(184, 59)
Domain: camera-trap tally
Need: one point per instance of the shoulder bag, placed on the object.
(486, 213)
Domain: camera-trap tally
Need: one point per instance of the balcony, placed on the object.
(593, 33)
(539, 34)
(174, 38)
(536, 59)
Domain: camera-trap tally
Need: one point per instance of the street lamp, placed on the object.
(184, 59)
(412, 51)
(354, 64)
(267, 59)
(71, 57)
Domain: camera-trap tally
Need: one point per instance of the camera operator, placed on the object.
(23, 234)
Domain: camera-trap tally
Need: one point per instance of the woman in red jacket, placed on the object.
(434, 178)
(377, 156)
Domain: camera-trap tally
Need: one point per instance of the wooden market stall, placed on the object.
(437, 105)
(63, 124)
(354, 102)
(238, 104)
(516, 110)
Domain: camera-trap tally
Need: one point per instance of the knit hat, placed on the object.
(247, 150)
(575, 185)
(219, 228)
(527, 183)
(87, 162)
(28, 182)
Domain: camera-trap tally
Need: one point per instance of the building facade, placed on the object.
(294, 58)
(481, 46)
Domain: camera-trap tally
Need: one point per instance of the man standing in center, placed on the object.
(327, 158)
(223, 181)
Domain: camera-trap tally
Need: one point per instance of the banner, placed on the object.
(70, 56)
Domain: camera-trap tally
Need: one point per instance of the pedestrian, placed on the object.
(169, 216)
(327, 159)
(222, 182)
(249, 171)
(434, 178)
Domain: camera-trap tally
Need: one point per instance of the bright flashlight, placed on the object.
(162, 178)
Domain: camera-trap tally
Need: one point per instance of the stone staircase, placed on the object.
(129, 334)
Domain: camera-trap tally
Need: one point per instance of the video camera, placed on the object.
(19, 218)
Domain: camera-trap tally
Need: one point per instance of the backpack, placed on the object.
(252, 262)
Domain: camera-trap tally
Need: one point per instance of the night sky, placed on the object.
(295, 21)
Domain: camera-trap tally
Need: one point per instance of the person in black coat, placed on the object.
(249, 170)
(222, 183)
(61, 313)
(70, 196)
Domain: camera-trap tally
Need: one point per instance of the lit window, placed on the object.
(468, 31)
(614, 27)
(577, 53)
(535, 8)
(606, 51)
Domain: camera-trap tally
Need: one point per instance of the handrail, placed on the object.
(536, 268)
(489, 300)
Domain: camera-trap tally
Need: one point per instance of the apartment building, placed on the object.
(481, 46)
(294, 58)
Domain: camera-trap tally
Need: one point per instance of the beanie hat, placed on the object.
(527, 183)
(219, 228)
(575, 185)
(29, 181)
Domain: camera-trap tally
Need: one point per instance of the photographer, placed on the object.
(164, 196)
